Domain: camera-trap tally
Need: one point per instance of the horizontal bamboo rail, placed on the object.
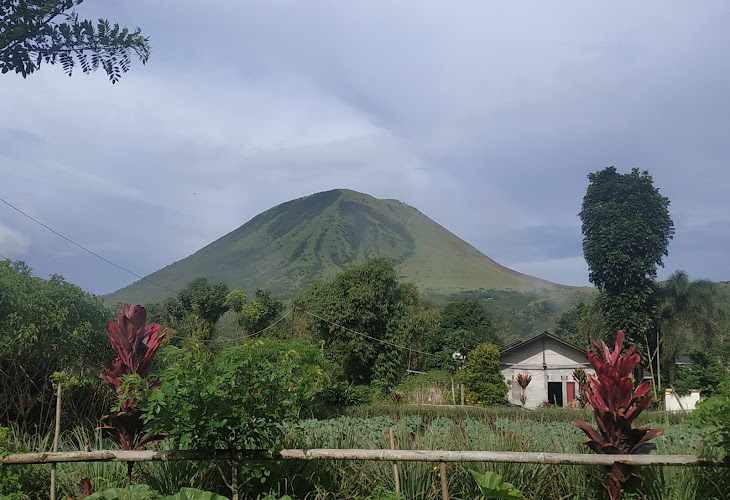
(363, 454)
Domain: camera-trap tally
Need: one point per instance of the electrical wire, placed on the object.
(366, 335)
(86, 249)
(224, 341)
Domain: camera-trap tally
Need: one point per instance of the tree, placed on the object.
(197, 308)
(464, 325)
(256, 315)
(626, 231)
(367, 321)
(687, 316)
(566, 325)
(36, 31)
(483, 380)
(48, 326)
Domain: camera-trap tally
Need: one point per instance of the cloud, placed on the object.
(487, 117)
(13, 243)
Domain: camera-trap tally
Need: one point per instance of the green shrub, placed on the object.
(485, 384)
(714, 415)
(10, 486)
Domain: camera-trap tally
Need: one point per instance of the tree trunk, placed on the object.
(130, 466)
(234, 480)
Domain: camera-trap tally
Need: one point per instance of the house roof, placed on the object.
(522, 343)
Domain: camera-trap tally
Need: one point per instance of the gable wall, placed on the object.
(560, 361)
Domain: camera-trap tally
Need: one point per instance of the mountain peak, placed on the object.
(288, 246)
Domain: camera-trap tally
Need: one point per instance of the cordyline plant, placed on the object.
(523, 380)
(135, 344)
(616, 404)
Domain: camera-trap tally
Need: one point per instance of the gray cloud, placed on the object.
(13, 243)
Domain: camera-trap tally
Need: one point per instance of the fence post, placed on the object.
(395, 464)
(444, 481)
(55, 439)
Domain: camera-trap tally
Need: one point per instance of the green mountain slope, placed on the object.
(288, 246)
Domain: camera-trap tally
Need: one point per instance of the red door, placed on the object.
(570, 389)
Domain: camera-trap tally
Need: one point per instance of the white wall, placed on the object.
(688, 403)
(559, 363)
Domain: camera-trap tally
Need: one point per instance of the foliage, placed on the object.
(236, 399)
(463, 326)
(240, 398)
(616, 404)
(36, 31)
(626, 231)
(706, 372)
(197, 307)
(580, 376)
(688, 313)
(143, 492)
(256, 315)
(475, 428)
(194, 494)
(132, 492)
(492, 485)
(523, 380)
(135, 343)
(48, 326)
(10, 485)
(200, 297)
(714, 414)
(567, 324)
(360, 314)
(418, 387)
(483, 380)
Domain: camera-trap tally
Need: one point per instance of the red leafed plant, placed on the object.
(616, 404)
(523, 380)
(135, 344)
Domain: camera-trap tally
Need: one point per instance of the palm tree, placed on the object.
(687, 316)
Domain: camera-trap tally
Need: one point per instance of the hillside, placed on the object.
(314, 237)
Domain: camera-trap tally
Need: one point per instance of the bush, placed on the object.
(484, 382)
(714, 414)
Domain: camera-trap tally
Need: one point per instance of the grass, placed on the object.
(452, 428)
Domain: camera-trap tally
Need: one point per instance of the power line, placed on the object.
(366, 335)
(86, 249)
(255, 334)
(290, 311)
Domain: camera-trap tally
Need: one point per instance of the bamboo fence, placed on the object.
(363, 454)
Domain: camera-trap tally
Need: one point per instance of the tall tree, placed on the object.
(484, 382)
(464, 325)
(687, 314)
(626, 231)
(197, 307)
(360, 316)
(256, 315)
(36, 31)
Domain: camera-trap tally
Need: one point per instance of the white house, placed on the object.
(550, 361)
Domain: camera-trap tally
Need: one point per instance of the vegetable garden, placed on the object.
(253, 397)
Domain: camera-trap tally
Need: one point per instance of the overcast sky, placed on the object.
(487, 116)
